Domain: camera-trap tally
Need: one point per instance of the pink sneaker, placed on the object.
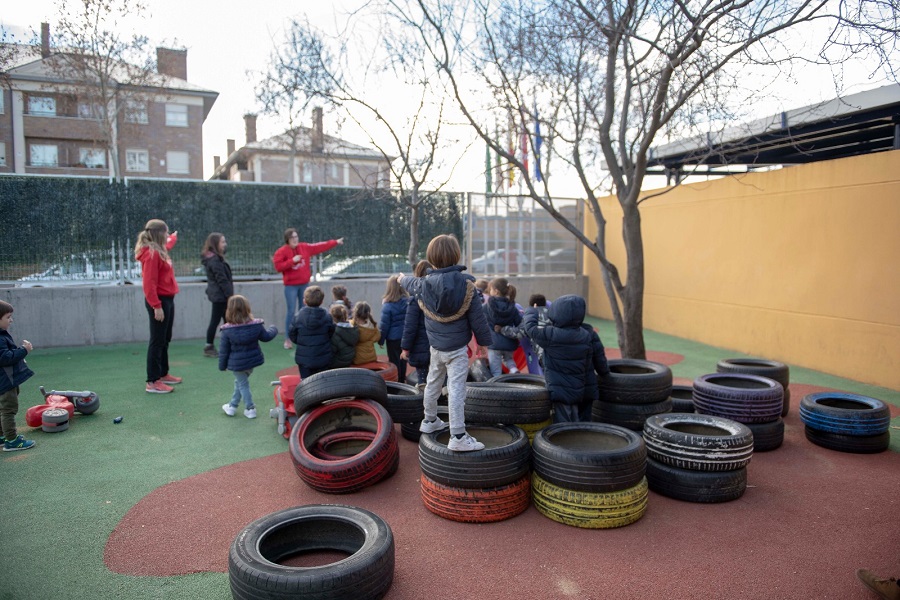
(158, 387)
(170, 379)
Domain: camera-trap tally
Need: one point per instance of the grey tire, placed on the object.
(698, 442)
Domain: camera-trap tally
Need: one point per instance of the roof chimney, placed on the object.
(250, 127)
(318, 135)
(45, 40)
(230, 144)
(171, 62)
(217, 162)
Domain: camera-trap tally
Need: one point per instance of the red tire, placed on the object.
(387, 370)
(468, 505)
(339, 445)
(377, 461)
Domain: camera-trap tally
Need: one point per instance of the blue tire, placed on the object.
(845, 414)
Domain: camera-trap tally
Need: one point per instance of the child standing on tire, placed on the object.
(573, 357)
(415, 339)
(500, 311)
(453, 312)
(13, 373)
(239, 351)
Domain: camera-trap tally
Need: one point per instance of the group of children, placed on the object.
(428, 319)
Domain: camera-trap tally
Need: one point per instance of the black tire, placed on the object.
(491, 403)
(589, 457)
(845, 414)
(410, 431)
(526, 378)
(55, 428)
(506, 458)
(767, 436)
(696, 486)
(631, 416)
(765, 368)
(54, 416)
(633, 381)
(339, 383)
(255, 571)
(89, 405)
(682, 398)
(856, 444)
(404, 402)
(738, 396)
(698, 442)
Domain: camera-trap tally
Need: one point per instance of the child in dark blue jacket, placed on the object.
(13, 373)
(311, 330)
(414, 344)
(453, 312)
(573, 357)
(393, 314)
(239, 351)
(501, 312)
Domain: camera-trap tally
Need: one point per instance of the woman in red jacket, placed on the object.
(158, 277)
(292, 261)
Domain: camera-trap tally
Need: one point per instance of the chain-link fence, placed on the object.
(66, 230)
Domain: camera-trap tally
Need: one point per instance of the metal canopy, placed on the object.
(849, 126)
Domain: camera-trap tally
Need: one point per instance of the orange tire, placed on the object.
(387, 370)
(468, 505)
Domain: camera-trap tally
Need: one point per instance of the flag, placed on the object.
(524, 142)
(538, 142)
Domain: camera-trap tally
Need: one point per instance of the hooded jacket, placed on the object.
(415, 338)
(298, 273)
(311, 331)
(365, 346)
(343, 345)
(452, 306)
(239, 345)
(157, 276)
(392, 316)
(573, 353)
(219, 283)
(500, 311)
(13, 370)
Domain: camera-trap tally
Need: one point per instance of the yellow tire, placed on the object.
(532, 428)
(589, 510)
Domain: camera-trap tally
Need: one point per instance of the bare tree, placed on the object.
(351, 78)
(107, 70)
(615, 74)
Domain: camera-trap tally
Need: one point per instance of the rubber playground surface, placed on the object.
(149, 507)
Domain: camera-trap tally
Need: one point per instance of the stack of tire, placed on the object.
(344, 438)
(589, 475)
(697, 458)
(502, 402)
(258, 565)
(846, 422)
(764, 368)
(632, 391)
(483, 486)
(753, 400)
(682, 398)
(405, 405)
(530, 429)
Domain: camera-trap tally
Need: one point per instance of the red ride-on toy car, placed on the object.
(84, 402)
(284, 403)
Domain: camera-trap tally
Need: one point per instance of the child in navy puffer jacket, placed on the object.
(393, 314)
(239, 351)
(415, 339)
(500, 311)
(311, 330)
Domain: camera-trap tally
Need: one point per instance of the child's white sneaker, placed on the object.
(229, 409)
(250, 413)
(432, 426)
(464, 444)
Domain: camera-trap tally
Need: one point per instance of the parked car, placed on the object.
(377, 265)
(85, 268)
(559, 260)
(500, 261)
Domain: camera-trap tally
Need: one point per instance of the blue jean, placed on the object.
(293, 297)
(242, 389)
(454, 365)
(498, 358)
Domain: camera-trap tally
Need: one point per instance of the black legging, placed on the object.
(160, 336)
(393, 352)
(218, 315)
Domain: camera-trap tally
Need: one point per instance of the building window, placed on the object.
(2, 101)
(89, 110)
(44, 155)
(177, 115)
(92, 158)
(2, 153)
(334, 171)
(178, 163)
(42, 105)
(307, 172)
(136, 111)
(137, 160)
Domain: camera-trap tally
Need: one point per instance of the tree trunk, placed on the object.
(414, 227)
(608, 285)
(633, 295)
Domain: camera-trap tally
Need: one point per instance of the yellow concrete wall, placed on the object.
(800, 265)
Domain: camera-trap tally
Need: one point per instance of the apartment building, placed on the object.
(303, 156)
(51, 124)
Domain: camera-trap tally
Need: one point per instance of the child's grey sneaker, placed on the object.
(432, 426)
(19, 443)
(250, 413)
(464, 444)
(229, 409)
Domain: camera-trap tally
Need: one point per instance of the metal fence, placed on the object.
(59, 231)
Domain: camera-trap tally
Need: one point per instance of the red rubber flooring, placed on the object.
(809, 519)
